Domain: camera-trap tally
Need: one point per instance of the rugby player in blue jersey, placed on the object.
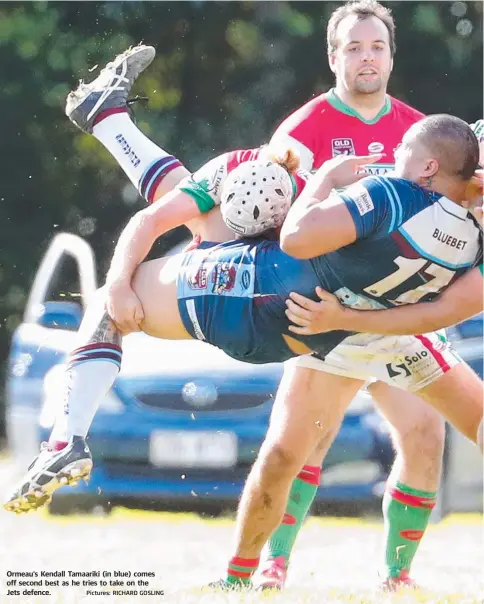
(233, 296)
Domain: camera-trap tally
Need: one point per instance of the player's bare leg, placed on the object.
(458, 396)
(274, 565)
(418, 433)
(282, 456)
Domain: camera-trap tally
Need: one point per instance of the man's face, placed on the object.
(412, 158)
(362, 60)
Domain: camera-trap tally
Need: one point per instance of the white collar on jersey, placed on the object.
(452, 207)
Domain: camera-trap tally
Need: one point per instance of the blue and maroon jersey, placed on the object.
(411, 244)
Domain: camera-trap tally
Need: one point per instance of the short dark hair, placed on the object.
(454, 143)
(363, 9)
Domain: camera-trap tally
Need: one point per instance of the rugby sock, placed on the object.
(240, 570)
(91, 371)
(144, 163)
(55, 391)
(301, 496)
(406, 513)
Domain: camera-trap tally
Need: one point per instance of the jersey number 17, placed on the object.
(436, 276)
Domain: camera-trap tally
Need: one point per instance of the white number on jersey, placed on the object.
(407, 268)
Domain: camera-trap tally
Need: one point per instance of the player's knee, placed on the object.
(426, 437)
(324, 443)
(278, 461)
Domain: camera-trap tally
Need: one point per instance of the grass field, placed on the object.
(336, 560)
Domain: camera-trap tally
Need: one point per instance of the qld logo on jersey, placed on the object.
(342, 146)
(198, 280)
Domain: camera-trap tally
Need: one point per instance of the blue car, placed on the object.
(183, 422)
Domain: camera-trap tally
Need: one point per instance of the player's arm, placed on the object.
(143, 229)
(122, 305)
(170, 181)
(463, 299)
(319, 222)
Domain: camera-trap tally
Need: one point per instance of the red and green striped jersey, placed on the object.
(325, 127)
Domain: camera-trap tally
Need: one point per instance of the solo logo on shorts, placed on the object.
(398, 369)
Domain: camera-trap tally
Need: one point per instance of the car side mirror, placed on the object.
(60, 315)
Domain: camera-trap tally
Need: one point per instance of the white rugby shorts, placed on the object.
(408, 362)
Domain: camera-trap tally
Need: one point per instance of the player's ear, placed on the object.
(431, 168)
(331, 61)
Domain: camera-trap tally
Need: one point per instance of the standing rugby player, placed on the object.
(358, 117)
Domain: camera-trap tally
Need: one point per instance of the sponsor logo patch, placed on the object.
(199, 279)
(127, 150)
(210, 176)
(378, 169)
(245, 279)
(342, 146)
(375, 147)
(235, 227)
(223, 278)
(363, 202)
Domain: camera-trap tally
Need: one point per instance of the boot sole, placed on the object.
(41, 495)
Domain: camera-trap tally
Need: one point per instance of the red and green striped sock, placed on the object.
(240, 570)
(406, 513)
(301, 496)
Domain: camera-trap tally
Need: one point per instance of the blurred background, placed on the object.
(225, 75)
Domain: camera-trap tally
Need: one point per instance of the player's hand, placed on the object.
(478, 128)
(124, 308)
(310, 317)
(478, 213)
(475, 189)
(194, 243)
(345, 170)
